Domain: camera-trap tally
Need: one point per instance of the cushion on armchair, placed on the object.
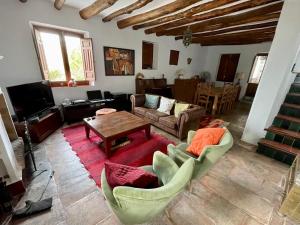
(204, 137)
(121, 175)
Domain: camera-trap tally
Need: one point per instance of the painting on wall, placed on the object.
(118, 61)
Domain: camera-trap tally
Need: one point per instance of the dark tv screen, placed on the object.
(29, 100)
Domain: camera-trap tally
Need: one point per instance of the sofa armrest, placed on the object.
(189, 120)
(137, 100)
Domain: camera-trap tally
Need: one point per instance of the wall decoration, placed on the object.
(174, 56)
(118, 61)
(189, 60)
(139, 76)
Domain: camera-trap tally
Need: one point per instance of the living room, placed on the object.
(226, 65)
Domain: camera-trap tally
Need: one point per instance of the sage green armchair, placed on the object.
(209, 156)
(136, 205)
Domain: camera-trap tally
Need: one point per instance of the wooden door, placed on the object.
(228, 66)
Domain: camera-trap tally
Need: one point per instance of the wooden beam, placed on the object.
(263, 13)
(254, 34)
(232, 29)
(155, 13)
(186, 14)
(237, 39)
(95, 8)
(241, 42)
(210, 15)
(127, 10)
(58, 4)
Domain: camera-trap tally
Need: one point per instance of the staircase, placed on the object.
(282, 141)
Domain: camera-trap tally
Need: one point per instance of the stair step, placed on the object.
(289, 105)
(293, 94)
(288, 118)
(284, 132)
(280, 147)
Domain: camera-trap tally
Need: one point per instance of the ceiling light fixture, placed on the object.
(187, 37)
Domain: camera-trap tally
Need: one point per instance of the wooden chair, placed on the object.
(234, 96)
(226, 98)
(202, 95)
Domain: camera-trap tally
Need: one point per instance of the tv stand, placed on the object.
(41, 129)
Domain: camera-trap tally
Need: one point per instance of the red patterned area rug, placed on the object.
(138, 152)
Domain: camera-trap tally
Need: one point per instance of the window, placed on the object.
(149, 56)
(64, 55)
(227, 67)
(258, 68)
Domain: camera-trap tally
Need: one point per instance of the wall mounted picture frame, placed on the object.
(174, 56)
(119, 61)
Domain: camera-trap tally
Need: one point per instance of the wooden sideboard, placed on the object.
(185, 89)
(141, 85)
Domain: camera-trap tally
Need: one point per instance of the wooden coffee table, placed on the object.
(115, 125)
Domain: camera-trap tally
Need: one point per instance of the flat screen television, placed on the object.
(30, 100)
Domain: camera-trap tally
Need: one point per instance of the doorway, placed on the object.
(256, 73)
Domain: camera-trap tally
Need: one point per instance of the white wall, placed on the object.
(7, 157)
(20, 64)
(247, 52)
(277, 76)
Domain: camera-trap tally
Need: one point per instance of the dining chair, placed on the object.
(234, 96)
(202, 96)
(226, 98)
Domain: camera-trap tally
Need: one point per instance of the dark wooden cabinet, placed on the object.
(147, 55)
(228, 66)
(42, 128)
(141, 85)
(184, 89)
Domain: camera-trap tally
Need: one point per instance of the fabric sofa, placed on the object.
(186, 121)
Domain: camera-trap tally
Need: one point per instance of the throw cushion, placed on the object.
(204, 137)
(151, 101)
(166, 105)
(180, 107)
(121, 175)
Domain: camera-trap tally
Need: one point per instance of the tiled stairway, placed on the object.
(282, 141)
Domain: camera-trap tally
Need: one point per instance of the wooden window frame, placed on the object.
(61, 33)
(258, 54)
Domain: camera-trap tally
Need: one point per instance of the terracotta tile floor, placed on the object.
(244, 188)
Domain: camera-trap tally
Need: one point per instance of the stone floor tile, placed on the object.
(89, 210)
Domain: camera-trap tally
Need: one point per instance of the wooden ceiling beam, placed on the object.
(255, 34)
(226, 25)
(95, 8)
(155, 13)
(185, 14)
(238, 39)
(232, 29)
(58, 4)
(263, 13)
(212, 14)
(126, 10)
(240, 42)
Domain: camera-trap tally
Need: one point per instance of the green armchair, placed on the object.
(136, 205)
(209, 156)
